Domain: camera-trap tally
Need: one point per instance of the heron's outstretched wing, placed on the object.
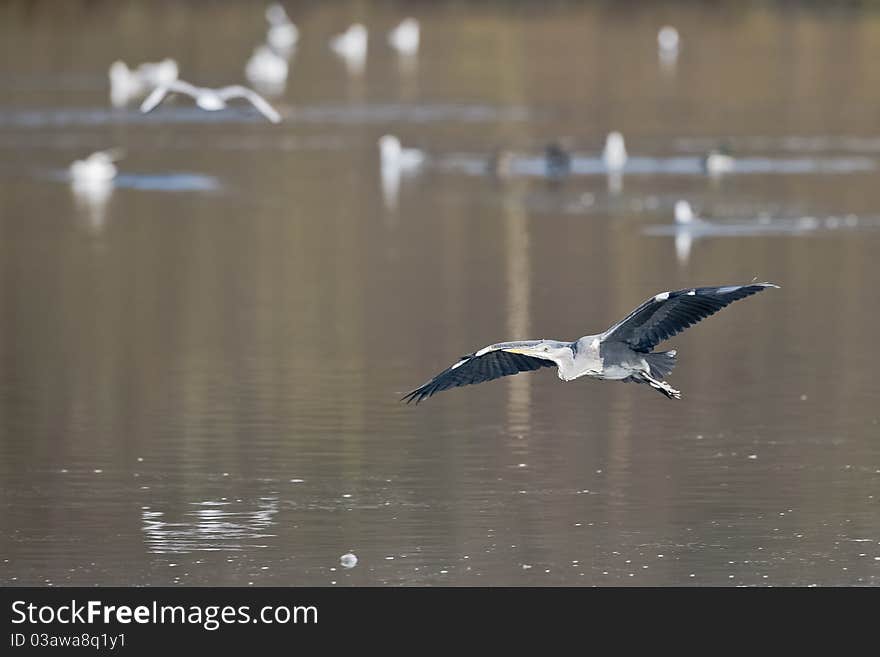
(484, 365)
(670, 313)
(237, 91)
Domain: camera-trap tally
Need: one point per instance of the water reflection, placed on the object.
(92, 197)
(518, 281)
(213, 525)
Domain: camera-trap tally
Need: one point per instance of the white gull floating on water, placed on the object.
(91, 181)
(283, 34)
(405, 37)
(97, 168)
(614, 155)
(668, 40)
(718, 161)
(395, 161)
(394, 155)
(684, 214)
(267, 70)
(351, 45)
(211, 99)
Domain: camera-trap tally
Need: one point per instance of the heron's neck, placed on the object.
(582, 358)
(565, 362)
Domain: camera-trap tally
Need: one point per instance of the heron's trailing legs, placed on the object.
(662, 386)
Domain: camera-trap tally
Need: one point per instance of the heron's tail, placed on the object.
(661, 363)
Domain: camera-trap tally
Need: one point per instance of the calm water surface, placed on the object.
(200, 368)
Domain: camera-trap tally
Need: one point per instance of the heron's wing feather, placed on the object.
(478, 367)
(256, 99)
(670, 313)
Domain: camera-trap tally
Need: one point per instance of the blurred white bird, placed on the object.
(688, 229)
(668, 40)
(395, 161)
(684, 214)
(351, 45)
(155, 74)
(405, 37)
(718, 162)
(211, 99)
(394, 155)
(127, 84)
(282, 34)
(96, 168)
(614, 155)
(267, 70)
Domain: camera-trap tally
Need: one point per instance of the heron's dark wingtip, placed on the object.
(416, 396)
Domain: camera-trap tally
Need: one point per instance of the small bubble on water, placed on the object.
(803, 398)
(348, 560)
(346, 495)
(297, 481)
(97, 471)
(526, 566)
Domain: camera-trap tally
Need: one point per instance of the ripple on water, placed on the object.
(213, 525)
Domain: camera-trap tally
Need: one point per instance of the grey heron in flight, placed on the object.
(622, 353)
